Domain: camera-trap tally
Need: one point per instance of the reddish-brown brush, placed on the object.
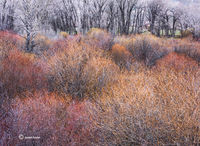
(20, 72)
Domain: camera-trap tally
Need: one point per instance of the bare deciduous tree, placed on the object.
(30, 15)
(64, 17)
(125, 9)
(154, 9)
(7, 11)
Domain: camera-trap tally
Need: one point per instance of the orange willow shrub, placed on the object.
(64, 34)
(150, 108)
(179, 101)
(42, 44)
(126, 41)
(120, 114)
(165, 44)
(121, 56)
(66, 70)
(61, 45)
(79, 70)
(52, 118)
(99, 74)
(57, 46)
(178, 62)
(187, 33)
(99, 38)
(20, 72)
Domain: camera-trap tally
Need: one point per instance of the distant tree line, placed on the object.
(116, 16)
(7, 11)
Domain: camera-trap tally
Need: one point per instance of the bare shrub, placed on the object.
(121, 114)
(20, 72)
(126, 41)
(189, 48)
(186, 33)
(179, 62)
(99, 74)
(99, 38)
(92, 102)
(64, 34)
(4, 114)
(74, 70)
(49, 117)
(178, 92)
(121, 56)
(42, 44)
(9, 41)
(147, 50)
(5, 120)
(150, 108)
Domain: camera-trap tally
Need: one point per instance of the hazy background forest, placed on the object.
(99, 72)
(162, 18)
